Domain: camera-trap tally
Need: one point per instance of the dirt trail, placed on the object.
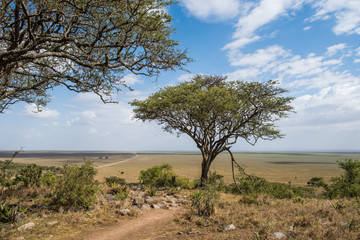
(111, 164)
(148, 225)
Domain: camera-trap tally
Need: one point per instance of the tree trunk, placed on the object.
(205, 166)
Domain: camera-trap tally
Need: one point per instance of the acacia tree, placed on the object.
(215, 113)
(84, 45)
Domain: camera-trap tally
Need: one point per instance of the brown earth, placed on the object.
(149, 225)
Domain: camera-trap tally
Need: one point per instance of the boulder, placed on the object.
(52, 223)
(27, 226)
(230, 227)
(279, 235)
(123, 212)
(138, 201)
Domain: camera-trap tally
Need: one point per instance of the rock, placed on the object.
(52, 223)
(135, 207)
(6, 227)
(19, 217)
(145, 207)
(110, 197)
(279, 235)
(155, 206)
(170, 200)
(20, 238)
(123, 212)
(29, 225)
(230, 227)
(138, 201)
(153, 200)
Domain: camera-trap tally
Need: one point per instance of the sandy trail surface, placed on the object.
(148, 225)
(112, 164)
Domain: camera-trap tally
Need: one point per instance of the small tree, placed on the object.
(215, 112)
(83, 45)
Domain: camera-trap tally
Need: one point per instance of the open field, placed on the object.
(294, 167)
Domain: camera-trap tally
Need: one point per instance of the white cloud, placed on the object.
(213, 10)
(41, 112)
(347, 14)
(265, 12)
(307, 28)
(332, 50)
(132, 79)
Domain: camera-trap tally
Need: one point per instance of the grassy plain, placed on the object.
(294, 167)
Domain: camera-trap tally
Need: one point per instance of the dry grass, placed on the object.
(311, 219)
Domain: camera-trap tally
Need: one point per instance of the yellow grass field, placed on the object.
(294, 167)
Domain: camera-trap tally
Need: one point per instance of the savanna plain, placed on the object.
(207, 212)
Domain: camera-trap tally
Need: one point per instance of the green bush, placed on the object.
(76, 188)
(348, 184)
(163, 176)
(48, 179)
(8, 213)
(114, 180)
(204, 201)
(120, 191)
(253, 185)
(30, 175)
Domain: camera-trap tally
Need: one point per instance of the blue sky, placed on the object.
(312, 47)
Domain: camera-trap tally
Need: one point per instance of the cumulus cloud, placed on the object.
(131, 79)
(346, 13)
(263, 13)
(332, 50)
(40, 112)
(213, 10)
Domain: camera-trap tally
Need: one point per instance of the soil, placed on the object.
(152, 224)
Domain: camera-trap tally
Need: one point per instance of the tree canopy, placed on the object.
(84, 45)
(215, 112)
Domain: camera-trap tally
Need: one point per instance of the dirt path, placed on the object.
(149, 225)
(112, 164)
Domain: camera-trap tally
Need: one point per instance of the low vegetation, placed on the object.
(257, 207)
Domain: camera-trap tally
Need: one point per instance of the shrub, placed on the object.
(8, 213)
(30, 175)
(163, 176)
(253, 185)
(348, 184)
(76, 189)
(114, 180)
(204, 201)
(316, 182)
(48, 179)
(120, 191)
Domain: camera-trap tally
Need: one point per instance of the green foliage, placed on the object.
(338, 206)
(120, 191)
(48, 179)
(215, 112)
(348, 184)
(104, 40)
(30, 175)
(253, 185)
(114, 180)
(163, 176)
(249, 199)
(8, 213)
(317, 182)
(204, 201)
(76, 189)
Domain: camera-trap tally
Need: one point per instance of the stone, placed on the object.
(29, 225)
(279, 235)
(20, 238)
(110, 197)
(6, 227)
(155, 206)
(123, 212)
(52, 223)
(19, 217)
(153, 200)
(145, 207)
(230, 227)
(139, 201)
